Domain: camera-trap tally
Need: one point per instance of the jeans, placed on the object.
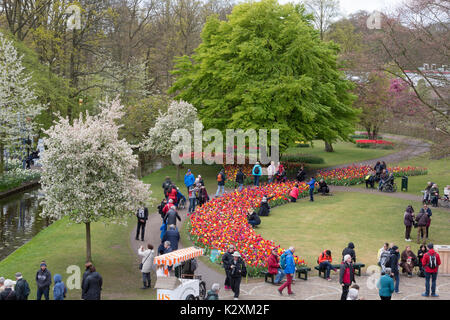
(397, 281)
(311, 194)
(256, 180)
(433, 277)
(241, 186)
(192, 205)
(43, 291)
(218, 190)
(146, 279)
(408, 232)
(280, 275)
(327, 266)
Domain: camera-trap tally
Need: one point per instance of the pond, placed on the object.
(20, 220)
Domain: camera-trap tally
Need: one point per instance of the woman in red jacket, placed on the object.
(274, 267)
(293, 195)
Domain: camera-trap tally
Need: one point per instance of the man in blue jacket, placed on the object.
(311, 184)
(289, 270)
(256, 172)
(189, 179)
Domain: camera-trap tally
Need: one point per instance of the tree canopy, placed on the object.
(266, 67)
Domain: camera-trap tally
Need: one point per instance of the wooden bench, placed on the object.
(356, 267)
(267, 275)
(303, 271)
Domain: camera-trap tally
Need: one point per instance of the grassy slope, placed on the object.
(344, 152)
(332, 222)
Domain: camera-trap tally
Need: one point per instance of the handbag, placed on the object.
(141, 265)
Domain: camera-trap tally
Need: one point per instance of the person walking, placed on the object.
(349, 250)
(43, 282)
(385, 285)
(21, 288)
(273, 267)
(240, 177)
(142, 217)
(346, 276)
(173, 236)
(393, 264)
(93, 285)
(311, 184)
(166, 185)
(227, 258)
(192, 198)
(221, 183)
(408, 220)
(271, 170)
(189, 179)
(256, 172)
(237, 271)
(171, 217)
(288, 265)
(213, 294)
(324, 261)
(422, 220)
(8, 294)
(59, 290)
(87, 271)
(146, 264)
(431, 261)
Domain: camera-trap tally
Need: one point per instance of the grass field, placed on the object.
(331, 222)
(344, 152)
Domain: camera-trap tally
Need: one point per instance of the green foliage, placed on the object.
(302, 158)
(266, 67)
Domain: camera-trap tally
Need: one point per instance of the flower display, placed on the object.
(374, 142)
(223, 221)
(355, 174)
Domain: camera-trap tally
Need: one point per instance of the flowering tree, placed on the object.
(180, 115)
(18, 102)
(88, 172)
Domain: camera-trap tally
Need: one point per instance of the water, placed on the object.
(20, 220)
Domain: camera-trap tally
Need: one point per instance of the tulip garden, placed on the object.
(374, 144)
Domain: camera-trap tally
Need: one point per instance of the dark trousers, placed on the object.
(385, 298)
(370, 183)
(311, 194)
(433, 277)
(43, 291)
(327, 266)
(140, 229)
(256, 180)
(345, 289)
(235, 285)
(408, 232)
(146, 279)
(227, 278)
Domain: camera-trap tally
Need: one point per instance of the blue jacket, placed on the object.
(59, 288)
(260, 170)
(189, 179)
(173, 236)
(385, 286)
(311, 184)
(290, 264)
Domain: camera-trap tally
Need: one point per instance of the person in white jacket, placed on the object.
(271, 170)
(147, 264)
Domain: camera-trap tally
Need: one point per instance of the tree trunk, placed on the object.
(328, 147)
(178, 172)
(2, 160)
(88, 242)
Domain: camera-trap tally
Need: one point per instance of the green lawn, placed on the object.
(332, 222)
(344, 152)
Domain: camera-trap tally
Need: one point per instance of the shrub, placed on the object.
(302, 158)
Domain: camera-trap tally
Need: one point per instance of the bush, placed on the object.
(302, 158)
(16, 177)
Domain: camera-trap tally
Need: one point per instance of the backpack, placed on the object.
(385, 259)
(283, 261)
(432, 263)
(256, 170)
(219, 177)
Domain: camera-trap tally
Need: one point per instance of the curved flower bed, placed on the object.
(223, 221)
(374, 144)
(355, 175)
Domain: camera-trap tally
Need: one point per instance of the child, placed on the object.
(59, 290)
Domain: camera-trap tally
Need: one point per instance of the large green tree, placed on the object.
(266, 67)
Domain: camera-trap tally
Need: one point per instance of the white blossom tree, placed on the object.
(18, 102)
(179, 116)
(88, 172)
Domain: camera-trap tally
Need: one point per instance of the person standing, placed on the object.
(289, 270)
(324, 261)
(87, 272)
(93, 285)
(173, 236)
(142, 217)
(393, 264)
(8, 294)
(240, 177)
(301, 174)
(346, 276)
(146, 264)
(256, 172)
(21, 288)
(382, 250)
(59, 290)
(43, 281)
(349, 250)
(271, 170)
(385, 285)
(221, 183)
(429, 214)
(189, 179)
(408, 220)
(192, 198)
(226, 262)
(422, 220)
(420, 253)
(273, 266)
(434, 195)
(237, 271)
(311, 184)
(431, 261)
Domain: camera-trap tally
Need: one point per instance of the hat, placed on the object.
(394, 248)
(43, 264)
(189, 170)
(18, 275)
(236, 254)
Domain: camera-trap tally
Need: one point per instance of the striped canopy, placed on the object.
(177, 257)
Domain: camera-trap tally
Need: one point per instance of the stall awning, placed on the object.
(177, 257)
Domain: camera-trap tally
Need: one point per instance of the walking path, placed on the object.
(314, 288)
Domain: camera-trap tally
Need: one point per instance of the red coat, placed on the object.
(426, 259)
(273, 264)
(294, 193)
(173, 195)
(167, 207)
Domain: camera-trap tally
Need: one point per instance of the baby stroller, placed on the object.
(389, 185)
(181, 200)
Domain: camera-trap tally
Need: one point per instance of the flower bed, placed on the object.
(16, 177)
(223, 221)
(355, 174)
(380, 144)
